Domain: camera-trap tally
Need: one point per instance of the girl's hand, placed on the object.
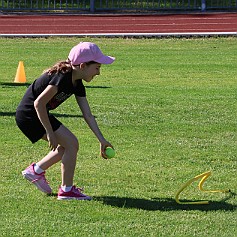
(103, 146)
(53, 144)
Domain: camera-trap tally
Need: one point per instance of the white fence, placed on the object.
(116, 5)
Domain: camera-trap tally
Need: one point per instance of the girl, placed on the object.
(46, 93)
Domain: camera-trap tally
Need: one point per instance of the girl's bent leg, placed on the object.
(52, 158)
(71, 146)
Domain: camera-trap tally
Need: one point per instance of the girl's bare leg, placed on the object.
(66, 152)
(52, 158)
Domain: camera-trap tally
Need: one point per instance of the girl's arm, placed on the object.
(40, 107)
(90, 119)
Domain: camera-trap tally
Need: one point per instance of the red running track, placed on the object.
(118, 24)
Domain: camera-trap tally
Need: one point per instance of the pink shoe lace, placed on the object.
(77, 189)
(42, 176)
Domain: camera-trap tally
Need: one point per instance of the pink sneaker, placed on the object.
(37, 179)
(75, 193)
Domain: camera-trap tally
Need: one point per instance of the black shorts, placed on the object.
(34, 130)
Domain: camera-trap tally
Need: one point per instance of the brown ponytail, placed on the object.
(62, 66)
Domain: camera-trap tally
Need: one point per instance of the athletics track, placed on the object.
(119, 25)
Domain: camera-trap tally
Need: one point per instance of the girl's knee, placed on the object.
(75, 143)
(72, 143)
(67, 139)
(60, 150)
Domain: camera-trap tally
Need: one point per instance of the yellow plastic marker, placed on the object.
(204, 176)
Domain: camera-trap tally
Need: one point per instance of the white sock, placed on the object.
(37, 169)
(66, 188)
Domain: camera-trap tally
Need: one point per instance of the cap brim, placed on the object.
(105, 60)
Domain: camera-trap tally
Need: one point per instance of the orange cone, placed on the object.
(20, 73)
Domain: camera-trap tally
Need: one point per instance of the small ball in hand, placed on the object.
(109, 152)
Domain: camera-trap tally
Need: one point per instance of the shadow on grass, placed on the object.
(98, 87)
(55, 114)
(163, 204)
(10, 84)
(7, 113)
(67, 115)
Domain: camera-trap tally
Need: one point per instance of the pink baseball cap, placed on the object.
(86, 52)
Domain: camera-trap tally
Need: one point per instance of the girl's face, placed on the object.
(90, 71)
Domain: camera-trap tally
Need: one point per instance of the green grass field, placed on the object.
(169, 107)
